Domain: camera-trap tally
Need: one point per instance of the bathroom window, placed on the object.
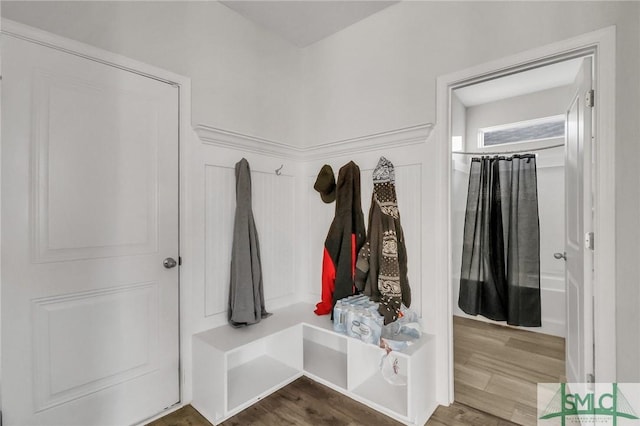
(523, 131)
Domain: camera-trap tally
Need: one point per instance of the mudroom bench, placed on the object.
(234, 368)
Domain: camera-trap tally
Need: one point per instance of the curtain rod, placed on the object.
(515, 151)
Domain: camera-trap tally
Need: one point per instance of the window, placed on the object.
(523, 131)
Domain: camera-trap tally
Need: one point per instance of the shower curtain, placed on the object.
(500, 275)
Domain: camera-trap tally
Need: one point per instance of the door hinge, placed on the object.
(589, 98)
(588, 241)
(591, 378)
(179, 263)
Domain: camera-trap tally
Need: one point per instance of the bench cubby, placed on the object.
(234, 368)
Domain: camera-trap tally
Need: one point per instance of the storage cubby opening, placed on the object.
(366, 379)
(260, 376)
(380, 392)
(245, 354)
(260, 367)
(237, 367)
(325, 356)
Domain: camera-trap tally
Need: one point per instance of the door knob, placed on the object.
(560, 256)
(169, 263)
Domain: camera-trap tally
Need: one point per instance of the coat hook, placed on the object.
(278, 170)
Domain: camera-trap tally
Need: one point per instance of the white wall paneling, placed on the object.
(274, 208)
(219, 196)
(292, 220)
(406, 150)
(408, 188)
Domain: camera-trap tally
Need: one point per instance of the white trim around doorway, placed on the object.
(602, 44)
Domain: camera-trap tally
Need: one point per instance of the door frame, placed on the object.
(186, 142)
(602, 45)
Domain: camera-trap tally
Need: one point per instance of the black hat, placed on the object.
(326, 184)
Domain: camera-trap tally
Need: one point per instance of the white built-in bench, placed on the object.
(235, 367)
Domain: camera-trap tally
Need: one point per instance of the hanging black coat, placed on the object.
(246, 295)
(345, 238)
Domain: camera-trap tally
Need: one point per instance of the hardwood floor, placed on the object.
(303, 402)
(307, 403)
(497, 368)
(186, 416)
(462, 415)
(455, 415)
(496, 372)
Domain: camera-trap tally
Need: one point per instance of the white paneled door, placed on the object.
(578, 223)
(89, 213)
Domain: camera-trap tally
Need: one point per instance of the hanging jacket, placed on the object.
(246, 295)
(345, 238)
(381, 268)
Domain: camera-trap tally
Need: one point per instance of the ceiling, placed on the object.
(305, 22)
(522, 83)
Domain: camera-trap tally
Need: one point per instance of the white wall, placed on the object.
(244, 78)
(531, 106)
(292, 220)
(375, 76)
(274, 200)
(380, 74)
(458, 122)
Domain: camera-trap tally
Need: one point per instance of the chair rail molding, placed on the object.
(242, 142)
(414, 135)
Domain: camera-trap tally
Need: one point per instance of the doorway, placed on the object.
(525, 114)
(600, 44)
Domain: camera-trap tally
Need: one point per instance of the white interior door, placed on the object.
(89, 212)
(578, 221)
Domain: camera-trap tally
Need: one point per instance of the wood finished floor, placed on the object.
(497, 368)
(496, 372)
(307, 403)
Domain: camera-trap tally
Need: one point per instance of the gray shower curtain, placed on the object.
(500, 275)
